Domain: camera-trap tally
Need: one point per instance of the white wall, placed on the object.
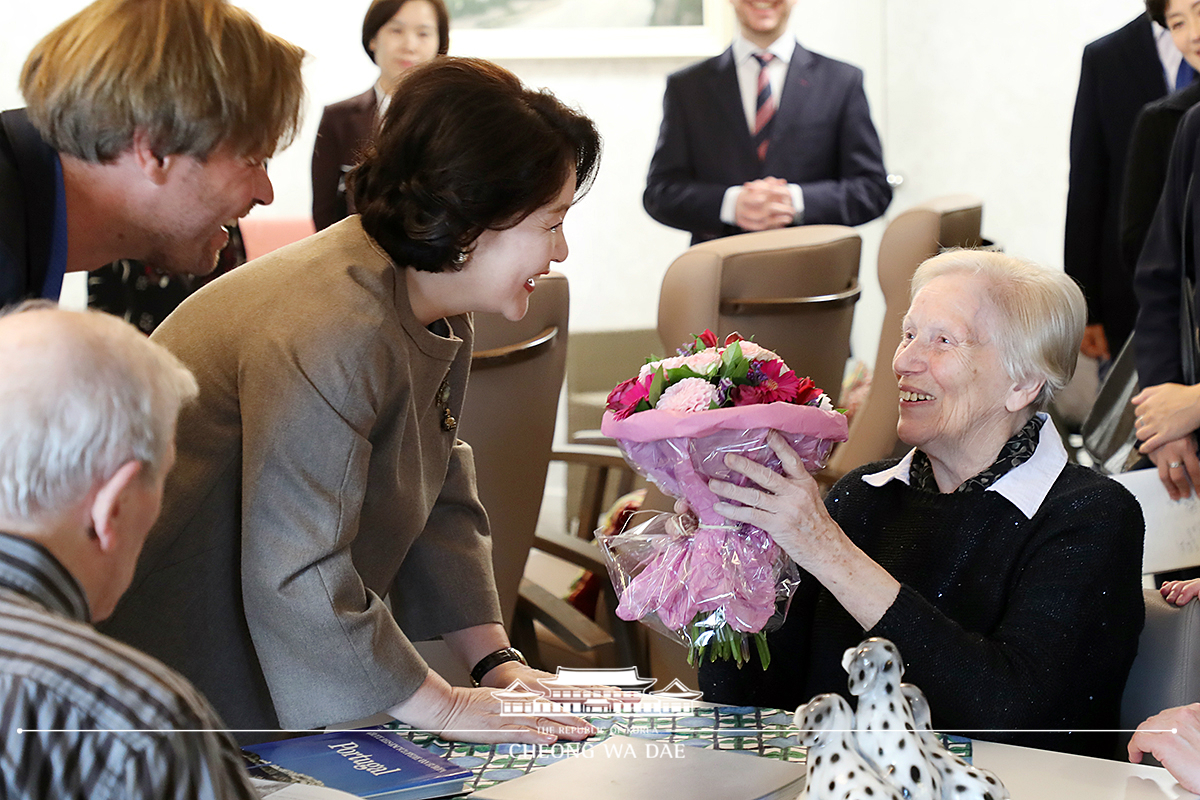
(969, 96)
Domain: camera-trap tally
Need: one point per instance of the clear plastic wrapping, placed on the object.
(718, 585)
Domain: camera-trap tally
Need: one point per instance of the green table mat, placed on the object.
(766, 732)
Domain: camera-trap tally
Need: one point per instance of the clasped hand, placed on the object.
(765, 204)
(1165, 417)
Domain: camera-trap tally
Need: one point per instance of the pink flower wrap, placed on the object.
(723, 573)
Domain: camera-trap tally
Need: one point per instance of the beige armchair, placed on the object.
(911, 237)
(792, 289)
(508, 419)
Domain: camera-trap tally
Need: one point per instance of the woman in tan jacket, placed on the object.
(320, 472)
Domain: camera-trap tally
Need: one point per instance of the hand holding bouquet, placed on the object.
(717, 583)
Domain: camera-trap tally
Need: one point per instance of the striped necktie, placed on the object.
(765, 106)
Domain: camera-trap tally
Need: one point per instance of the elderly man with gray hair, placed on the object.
(87, 426)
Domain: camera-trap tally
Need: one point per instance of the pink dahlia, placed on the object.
(687, 396)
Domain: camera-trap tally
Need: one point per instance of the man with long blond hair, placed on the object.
(147, 128)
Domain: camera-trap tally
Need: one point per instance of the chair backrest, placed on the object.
(261, 235)
(508, 419)
(1166, 672)
(912, 237)
(792, 289)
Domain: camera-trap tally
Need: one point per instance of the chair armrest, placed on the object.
(580, 552)
(590, 455)
(599, 462)
(514, 353)
(560, 617)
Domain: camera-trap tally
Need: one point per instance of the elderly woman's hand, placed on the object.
(789, 508)
(1165, 413)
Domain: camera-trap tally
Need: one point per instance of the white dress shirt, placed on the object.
(1025, 486)
(1168, 54)
(747, 74)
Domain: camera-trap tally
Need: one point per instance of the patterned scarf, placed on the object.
(1016, 451)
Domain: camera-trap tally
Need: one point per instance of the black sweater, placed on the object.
(1005, 622)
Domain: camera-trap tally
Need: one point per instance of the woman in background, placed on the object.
(397, 35)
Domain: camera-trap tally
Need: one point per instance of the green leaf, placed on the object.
(734, 364)
(764, 653)
(656, 387)
(674, 376)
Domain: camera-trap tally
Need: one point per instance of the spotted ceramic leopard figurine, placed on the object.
(836, 770)
(960, 780)
(884, 727)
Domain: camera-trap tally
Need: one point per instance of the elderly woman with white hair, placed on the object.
(1008, 578)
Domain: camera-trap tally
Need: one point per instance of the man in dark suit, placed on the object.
(1154, 131)
(1167, 404)
(765, 135)
(1121, 72)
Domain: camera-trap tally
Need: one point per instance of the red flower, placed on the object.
(769, 383)
(806, 392)
(733, 337)
(708, 338)
(624, 398)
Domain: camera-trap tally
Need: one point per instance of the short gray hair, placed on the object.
(81, 394)
(1041, 313)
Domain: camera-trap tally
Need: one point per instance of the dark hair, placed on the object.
(1157, 9)
(465, 148)
(383, 10)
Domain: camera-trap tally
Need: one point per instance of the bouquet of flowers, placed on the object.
(716, 583)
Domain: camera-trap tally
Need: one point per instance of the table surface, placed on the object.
(1028, 774)
(1031, 774)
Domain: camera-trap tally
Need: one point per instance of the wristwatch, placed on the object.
(493, 660)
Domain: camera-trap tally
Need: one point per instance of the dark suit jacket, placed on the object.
(28, 197)
(1157, 279)
(1146, 168)
(345, 129)
(822, 139)
(1121, 73)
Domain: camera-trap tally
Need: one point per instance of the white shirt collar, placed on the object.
(1025, 487)
(382, 101)
(1168, 54)
(782, 48)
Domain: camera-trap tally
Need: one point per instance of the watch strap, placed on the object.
(493, 660)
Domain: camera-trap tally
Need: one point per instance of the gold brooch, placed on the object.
(442, 398)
